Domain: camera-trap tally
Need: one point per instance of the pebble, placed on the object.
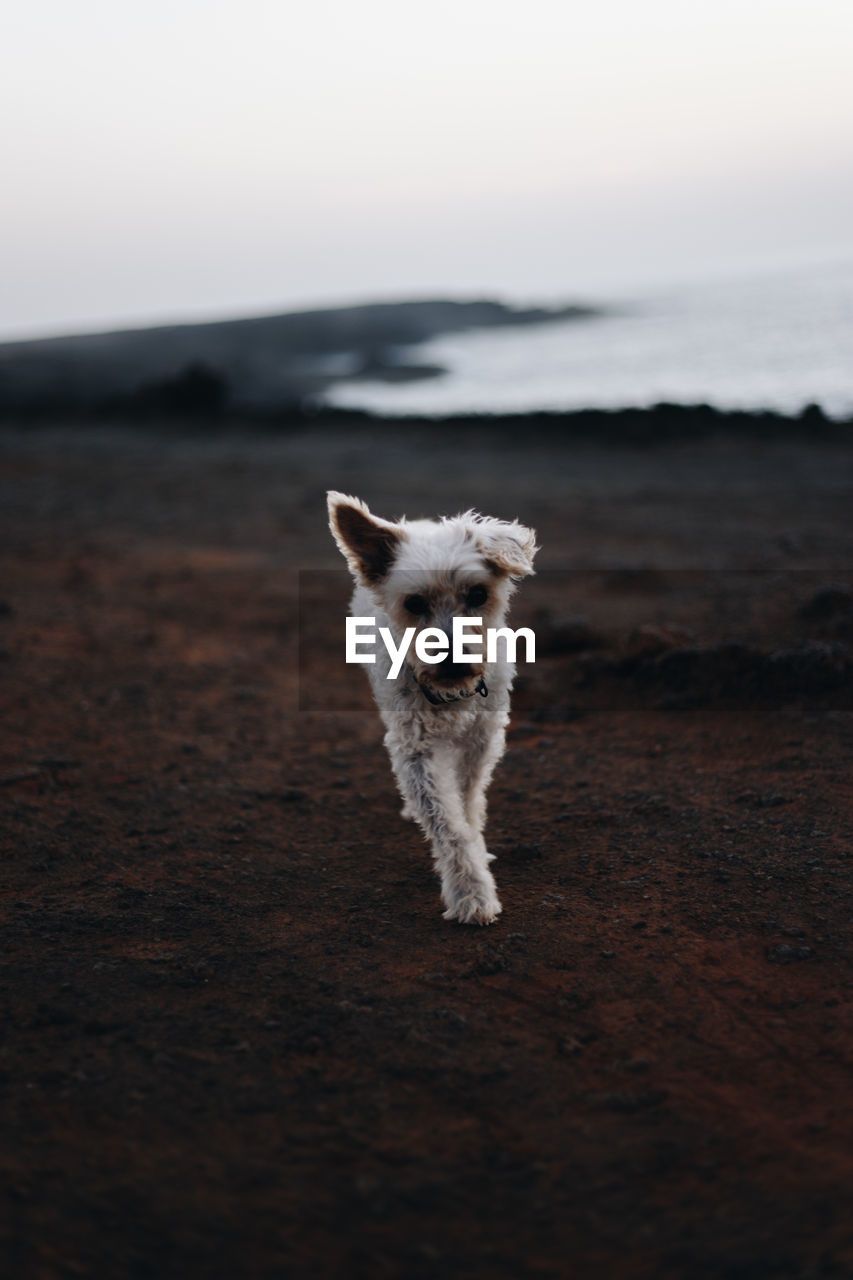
(784, 953)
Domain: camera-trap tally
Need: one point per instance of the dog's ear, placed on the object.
(369, 544)
(509, 547)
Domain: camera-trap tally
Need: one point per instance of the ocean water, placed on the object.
(777, 341)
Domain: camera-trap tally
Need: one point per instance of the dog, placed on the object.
(445, 720)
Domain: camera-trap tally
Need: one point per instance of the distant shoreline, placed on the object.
(265, 363)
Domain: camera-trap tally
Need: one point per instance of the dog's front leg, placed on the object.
(482, 752)
(432, 793)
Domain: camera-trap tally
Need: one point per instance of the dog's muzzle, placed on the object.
(438, 701)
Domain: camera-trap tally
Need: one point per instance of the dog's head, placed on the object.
(424, 573)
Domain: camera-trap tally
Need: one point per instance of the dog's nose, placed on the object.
(457, 670)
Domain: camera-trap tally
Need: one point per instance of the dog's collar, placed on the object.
(481, 688)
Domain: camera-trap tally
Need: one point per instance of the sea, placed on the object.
(778, 341)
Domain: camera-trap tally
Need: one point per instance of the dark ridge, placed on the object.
(263, 363)
(198, 396)
(734, 673)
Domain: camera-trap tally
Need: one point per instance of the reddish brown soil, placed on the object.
(238, 1037)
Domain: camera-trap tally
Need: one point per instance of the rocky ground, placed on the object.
(238, 1039)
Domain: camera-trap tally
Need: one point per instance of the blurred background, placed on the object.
(681, 173)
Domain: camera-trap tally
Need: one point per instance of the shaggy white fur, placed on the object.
(445, 722)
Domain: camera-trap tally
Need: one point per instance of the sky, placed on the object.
(193, 159)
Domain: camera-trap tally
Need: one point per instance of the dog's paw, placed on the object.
(475, 908)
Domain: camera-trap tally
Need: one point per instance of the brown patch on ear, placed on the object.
(497, 570)
(369, 544)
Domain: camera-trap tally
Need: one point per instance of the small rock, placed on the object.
(24, 774)
(635, 1066)
(770, 799)
(827, 602)
(784, 953)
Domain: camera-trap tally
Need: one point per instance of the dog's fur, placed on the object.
(444, 741)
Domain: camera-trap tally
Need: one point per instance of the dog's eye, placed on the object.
(416, 605)
(476, 596)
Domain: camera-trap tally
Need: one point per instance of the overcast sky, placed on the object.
(204, 158)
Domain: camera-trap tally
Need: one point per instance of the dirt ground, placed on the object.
(238, 1039)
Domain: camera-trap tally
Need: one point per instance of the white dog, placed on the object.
(445, 721)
